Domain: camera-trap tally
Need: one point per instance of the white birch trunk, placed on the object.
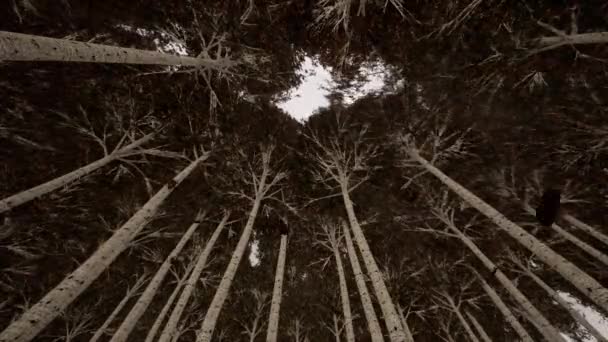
(208, 325)
(575, 39)
(573, 239)
(391, 317)
(344, 298)
(480, 330)
(405, 325)
(366, 301)
(504, 309)
(57, 300)
(130, 292)
(59, 182)
(277, 293)
(556, 297)
(549, 332)
(586, 228)
(163, 312)
(170, 330)
(25, 47)
(146, 298)
(463, 321)
(577, 277)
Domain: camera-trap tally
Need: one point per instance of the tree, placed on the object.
(331, 241)
(277, 292)
(147, 296)
(366, 301)
(253, 329)
(337, 163)
(581, 280)
(586, 228)
(445, 214)
(37, 317)
(170, 330)
(131, 292)
(480, 330)
(163, 312)
(262, 185)
(446, 301)
(24, 47)
(59, 182)
(556, 297)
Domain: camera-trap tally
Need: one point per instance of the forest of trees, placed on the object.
(151, 189)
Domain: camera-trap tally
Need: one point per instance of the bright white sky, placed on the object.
(312, 92)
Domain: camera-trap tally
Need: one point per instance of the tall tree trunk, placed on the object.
(586, 228)
(391, 317)
(163, 312)
(130, 293)
(480, 330)
(575, 241)
(574, 39)
(366, 301)
(170, 330)
(504, 309)
(208, 326)
(577, 277)
(561, 301)
(146, 298)
(59, 182)
(277, 293)
(25, 47)
(345, 299)
(57, 300)
(463, 321)
(549, 332)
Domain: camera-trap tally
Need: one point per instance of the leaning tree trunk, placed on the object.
(208, 326)
(344, 298)
(574, 39)
(25, 47)
(549, 332)
(277, 293)
(480, 330)
(57, 300)
(130, 293)
(573, 239)
(366, 301)
(170, 330)
(59, 182)
(391, 317)
(556, 297)
(146, 298)
(163, 312)
(577, 277)
(586, 228)
(504, 309)
(463, 321)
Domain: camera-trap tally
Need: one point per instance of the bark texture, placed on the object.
(277, 293)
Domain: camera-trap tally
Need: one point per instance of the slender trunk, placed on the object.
(348, 316)
(391, 317)
(277, 293)
(336, 329)
(146, 298)
(59, 182)
(556, 297)
(170, 330)
(163, 312)
(581, 280)
(480, 330)
(586, 228)
(366, 301)
(549, 332)
(208, 325)
(130, 293)
(465, 324)
(405, 325)
(25, 47)
(57, 300)
(574, 39)
(575, 241)
(504, 309)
